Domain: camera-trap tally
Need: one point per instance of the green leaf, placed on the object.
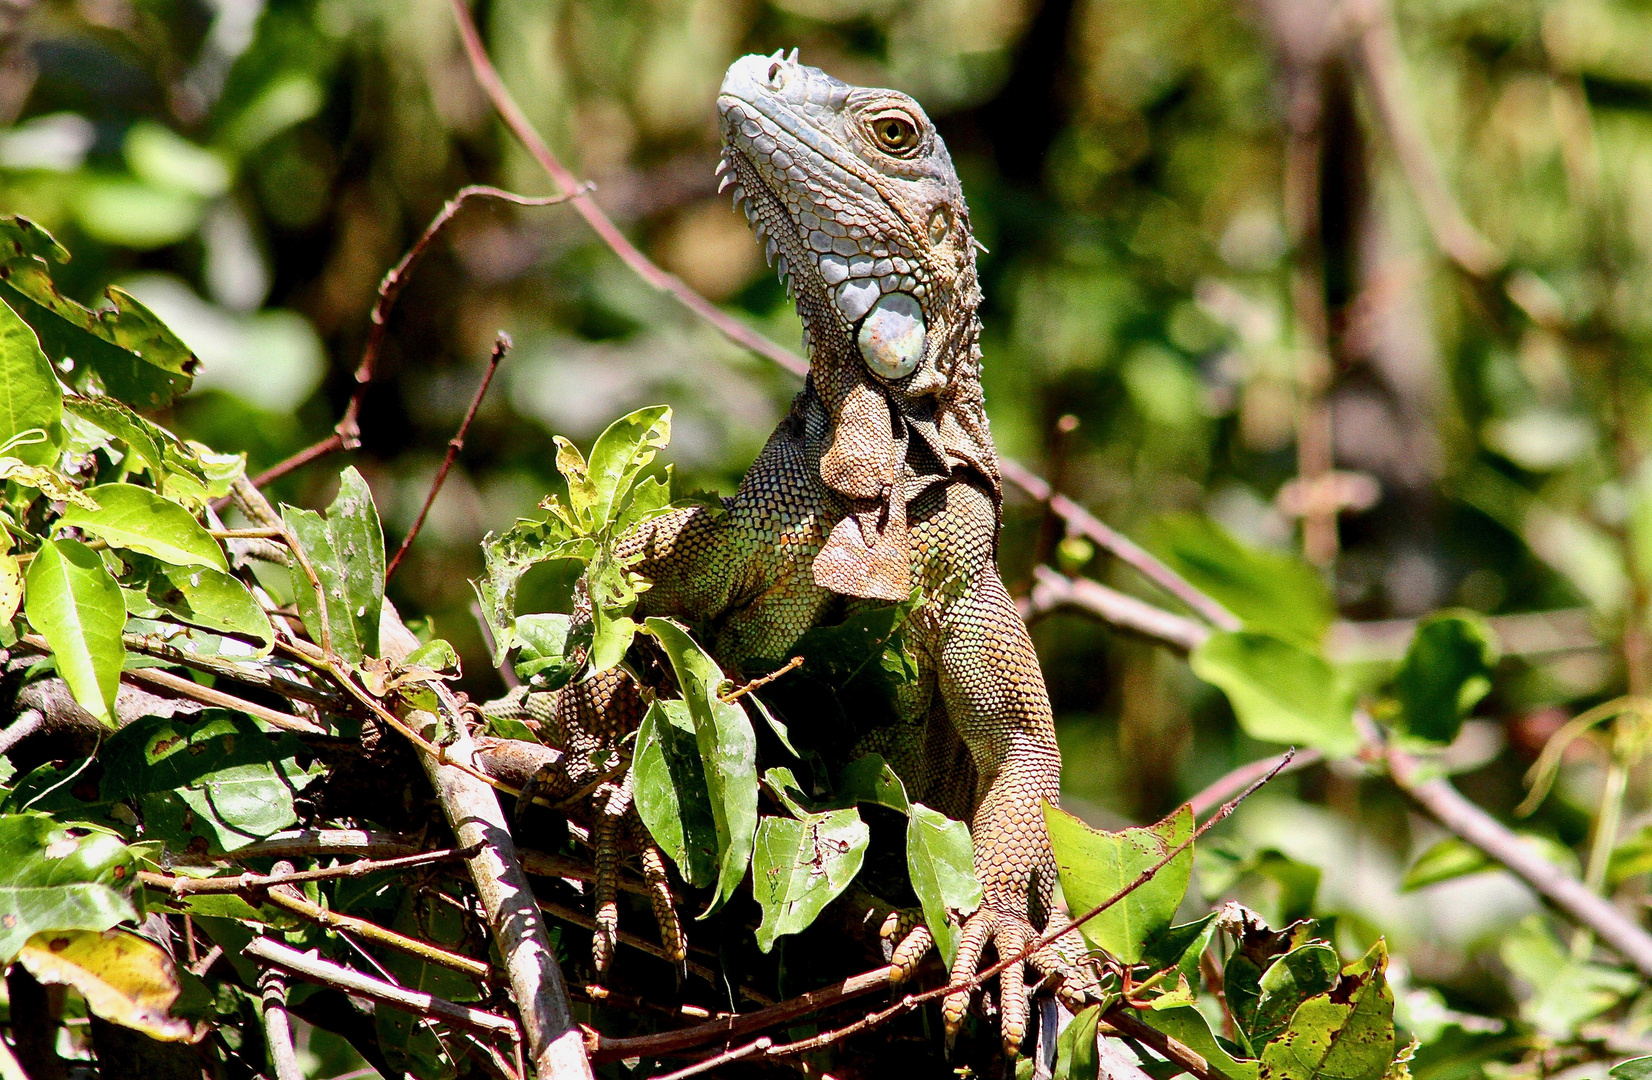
(623, 450)
(52, 879)
(549, 649)
(199, 596)
(1180, 946)
(1271, 591)
(1279, 692)
(1095, 864)
(1447, 670)
(1346, 1033)
(870, 779)
(131, 352)
(1564, 992)
(214, 782)
(940, 861)
(669, 786)
(1188, 1026)
(30, 397)
(347, 551)
(1300, 974)
(136, 518)
(1454, 858)
(11, 587)
(1630, 859)
(185, 472)
(1633, 1069)
(728, 753)
(800, 866)
(1076, 1057)
(506, 558)
(71, 599)
(613, 591)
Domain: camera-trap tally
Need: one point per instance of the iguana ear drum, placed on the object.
(891, 336)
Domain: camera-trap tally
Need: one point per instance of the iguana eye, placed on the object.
(895, 133)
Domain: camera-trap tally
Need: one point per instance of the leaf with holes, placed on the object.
(199, 596)
(1345, 1033)
(800, 865)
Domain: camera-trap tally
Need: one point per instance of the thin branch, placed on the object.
(327, 973)
(183, 886)
(593, 214)
(323, 842)
(764, 680)
(1245, 775)
(1120, 546)
(724, 1058)
(283, 895)
(556, 1046)
(668, 1042)
(1446, 805)
(265, 677)
(1380, 61)
(501, 346)
(347, 433)
(1052, 591)
(278, 1032)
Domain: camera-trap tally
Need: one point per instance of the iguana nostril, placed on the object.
(777, 76)
(891, 338)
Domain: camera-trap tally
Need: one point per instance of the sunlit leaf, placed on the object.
(30, 397)
(1075, 1047)
(346, 549)
(550, 648)
(1564, 992)
(1095, 864)
(203, 597)
(124, 978)
(620, 452)
(728, 753)
(1279, 692)
(799, 866)
(132, 517)
(71, 599)
(52, 879)
(940, 862)
(1272, 592)
(669, 786)
(1346, 1033)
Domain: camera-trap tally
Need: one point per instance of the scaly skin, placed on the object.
(882, 479)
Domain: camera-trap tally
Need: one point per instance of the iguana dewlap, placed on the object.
(883, 479)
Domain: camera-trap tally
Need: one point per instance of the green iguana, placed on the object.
(883, 479)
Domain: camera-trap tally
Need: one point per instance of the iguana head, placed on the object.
(854, 196)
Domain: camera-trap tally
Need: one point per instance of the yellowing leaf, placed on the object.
(126, 979)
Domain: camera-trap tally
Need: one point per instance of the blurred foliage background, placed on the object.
(1370, 285)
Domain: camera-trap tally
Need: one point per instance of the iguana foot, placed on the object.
(907, 939)
(659, 895)
(1060, 961)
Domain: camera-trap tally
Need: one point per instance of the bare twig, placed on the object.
(183, 886)
(322, 842)
(719, 1060)
(325, 972)
(667, 1042)
(1531, 633)
(282, 894)
(347, 433)
(593, 214)
(278, 1032)
(555, 1044)
(1380, 62)
(1052, 591)
(764, 680)
(1120, 546)
(1245, 775)
(501, 346)
(206, 695)
(1446, 805)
